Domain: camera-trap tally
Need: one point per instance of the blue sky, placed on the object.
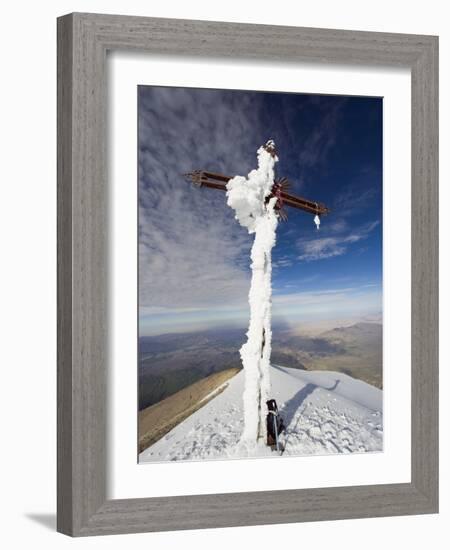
(194, 257)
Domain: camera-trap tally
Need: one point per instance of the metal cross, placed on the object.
(213, 180)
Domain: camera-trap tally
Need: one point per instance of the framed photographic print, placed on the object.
(247, 269)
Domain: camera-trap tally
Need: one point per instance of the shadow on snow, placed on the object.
(291, 407)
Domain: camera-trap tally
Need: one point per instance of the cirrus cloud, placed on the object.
(329, 247)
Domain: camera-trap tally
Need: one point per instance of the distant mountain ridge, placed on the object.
(171, 362)
(363, 356)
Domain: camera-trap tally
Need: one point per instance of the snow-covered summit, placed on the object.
(325, 412)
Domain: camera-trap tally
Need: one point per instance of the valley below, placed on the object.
(170, 362)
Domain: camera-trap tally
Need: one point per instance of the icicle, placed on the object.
(317, 221)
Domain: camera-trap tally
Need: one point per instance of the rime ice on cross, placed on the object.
(248, 198)
(258, 202)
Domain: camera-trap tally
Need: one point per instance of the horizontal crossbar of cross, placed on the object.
(213, 180)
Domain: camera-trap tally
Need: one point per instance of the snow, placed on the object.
(247, 196)
(324, 412)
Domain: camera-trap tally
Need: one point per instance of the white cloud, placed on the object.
(192, 253)
(329, 247)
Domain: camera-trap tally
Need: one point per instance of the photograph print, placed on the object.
(260, 274)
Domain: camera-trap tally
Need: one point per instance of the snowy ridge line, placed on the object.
(371, 398)
(159, 419)
(214, 393)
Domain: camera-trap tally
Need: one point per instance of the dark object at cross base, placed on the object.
(275, 424)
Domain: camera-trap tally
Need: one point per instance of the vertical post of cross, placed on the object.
(254, 206)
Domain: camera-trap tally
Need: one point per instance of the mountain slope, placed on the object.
(325, 412)
(157, 420)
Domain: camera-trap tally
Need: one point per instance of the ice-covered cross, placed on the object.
(254, 210)
(258, 201)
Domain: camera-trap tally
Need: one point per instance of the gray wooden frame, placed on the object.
(83, 41)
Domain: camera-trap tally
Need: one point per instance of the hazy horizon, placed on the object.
(307, 323)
